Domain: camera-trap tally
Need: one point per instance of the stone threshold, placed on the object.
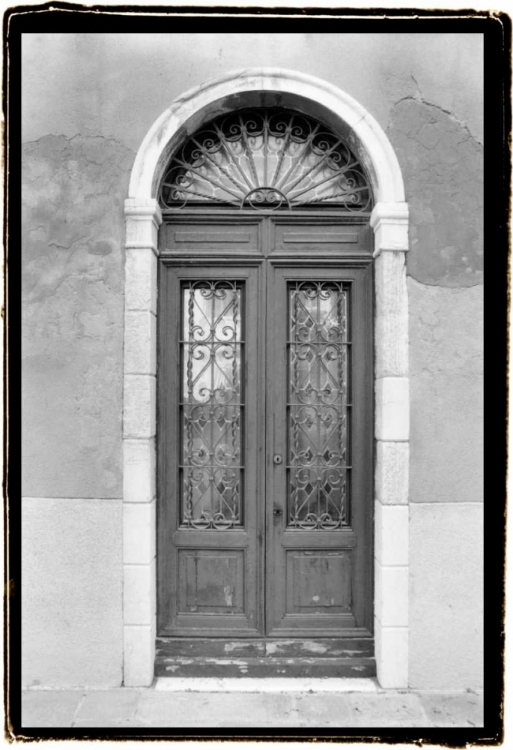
(266, 685)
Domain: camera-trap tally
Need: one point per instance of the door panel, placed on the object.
(320, 408)
(326, 237)
(208, 574)
(206, 237)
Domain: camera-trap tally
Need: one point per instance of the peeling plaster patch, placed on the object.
(72, 288)
(442, 166)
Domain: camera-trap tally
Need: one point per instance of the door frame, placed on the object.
(389, 221)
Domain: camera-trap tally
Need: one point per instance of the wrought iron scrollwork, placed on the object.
(317, 408)
(266, 158)
(211, 408)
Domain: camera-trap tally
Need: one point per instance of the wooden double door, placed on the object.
(265, 409)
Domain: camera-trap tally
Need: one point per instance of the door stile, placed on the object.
(274, 501)
(362, 415)
(259, 324)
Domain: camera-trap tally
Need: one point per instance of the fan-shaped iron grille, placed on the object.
(266, 158)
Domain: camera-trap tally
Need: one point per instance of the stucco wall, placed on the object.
(442, 165)
(72, 286)
(72, 598)
(88, 101)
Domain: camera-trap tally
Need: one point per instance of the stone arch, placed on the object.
(389, 220)
(260, 86)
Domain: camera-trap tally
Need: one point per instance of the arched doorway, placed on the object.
(314, 579)
(265, 382)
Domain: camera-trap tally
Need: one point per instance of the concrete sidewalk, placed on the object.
(164, 706)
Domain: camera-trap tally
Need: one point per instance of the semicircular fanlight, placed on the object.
(265, 158)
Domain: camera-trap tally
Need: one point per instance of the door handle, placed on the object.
(278, 459)
(277, 512)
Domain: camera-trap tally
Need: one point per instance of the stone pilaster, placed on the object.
(139, 428)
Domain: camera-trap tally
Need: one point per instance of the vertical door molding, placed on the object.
(390, 224)
(392, 401)
(139, 428)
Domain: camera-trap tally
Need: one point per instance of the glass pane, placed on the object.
(211, 405)
(317, 405)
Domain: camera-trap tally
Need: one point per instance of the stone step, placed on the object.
(275, 647)
(265, 667)
(265, 658)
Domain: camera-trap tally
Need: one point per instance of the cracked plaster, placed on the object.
(72, 288)
(81, 80)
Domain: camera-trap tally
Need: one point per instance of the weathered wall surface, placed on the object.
(446, 381)
(442, 168)
(442, 165)
(446, 589)
(88, 101)
(72, 287)
(118, 84)
(446, 486)
(72, 597)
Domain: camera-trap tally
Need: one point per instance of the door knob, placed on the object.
(278, 459)
(277, 512)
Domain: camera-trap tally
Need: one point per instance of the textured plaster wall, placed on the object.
(442, 166)
(118, 84)
(88, 101)
(446, 490)
(72, 598)
(446, 587)
(72, 287)
(446, 382)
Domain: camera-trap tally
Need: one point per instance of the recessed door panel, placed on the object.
(211, 581)
(319, 581)
(207, 237)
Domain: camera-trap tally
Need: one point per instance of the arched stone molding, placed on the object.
(389, 221)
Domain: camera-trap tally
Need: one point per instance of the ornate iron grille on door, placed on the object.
(212, 373)
(266, 158)
(318, 369)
